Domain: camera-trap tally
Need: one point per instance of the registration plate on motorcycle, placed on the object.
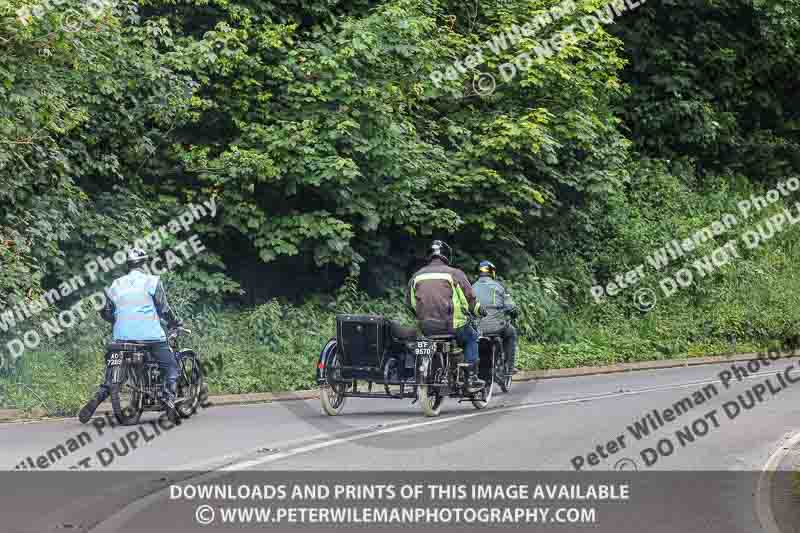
(423, 348)
(115, 359)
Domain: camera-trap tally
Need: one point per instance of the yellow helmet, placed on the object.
(487, 267)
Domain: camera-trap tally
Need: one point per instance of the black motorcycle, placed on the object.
(503, 370)
(137, 383)
(442, 372)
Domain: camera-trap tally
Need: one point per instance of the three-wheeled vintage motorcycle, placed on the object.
(370, 351)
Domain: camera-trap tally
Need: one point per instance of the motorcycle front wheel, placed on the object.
(190, 382)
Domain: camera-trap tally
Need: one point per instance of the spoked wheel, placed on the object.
(481, 399)
(506, 384)
(332, 393)
(430, 399)
(125, 399)
(190, 382)
(488, 373)
(391, 372)
(502, 374)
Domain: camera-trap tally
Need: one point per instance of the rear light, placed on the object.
(321, 365)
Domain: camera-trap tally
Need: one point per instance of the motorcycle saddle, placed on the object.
(442, 337)
(127, 347)
(401, 332)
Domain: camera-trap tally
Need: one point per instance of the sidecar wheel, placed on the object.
(331, 395)
(332, 400)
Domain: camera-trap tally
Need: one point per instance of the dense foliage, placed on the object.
(334, 157)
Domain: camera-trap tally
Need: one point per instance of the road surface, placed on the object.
(709, 429)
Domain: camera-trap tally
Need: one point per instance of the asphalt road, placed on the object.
(726, 425)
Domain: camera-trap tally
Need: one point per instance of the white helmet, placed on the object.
(136, 257)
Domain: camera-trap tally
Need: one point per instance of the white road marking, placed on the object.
(763, 497)
(405, 427)
(121, 517)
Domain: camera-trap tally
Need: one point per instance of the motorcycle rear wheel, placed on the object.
(502, 374)
(482, 400)
(430, 400)
(126, 399)
(506, 383)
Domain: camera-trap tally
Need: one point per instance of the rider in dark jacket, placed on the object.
(442, 298)
(498, 303)
(135, 304)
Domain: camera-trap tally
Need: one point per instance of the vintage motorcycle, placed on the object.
(442, 373)
(370, 350)
(503, 370)
(136, 380)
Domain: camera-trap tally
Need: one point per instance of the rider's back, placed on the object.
(441, 296)
(135, 317)
(492, 296)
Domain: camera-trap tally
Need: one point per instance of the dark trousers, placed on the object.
(509, 334)
(166, 362)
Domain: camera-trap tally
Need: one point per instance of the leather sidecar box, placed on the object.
(361, 339)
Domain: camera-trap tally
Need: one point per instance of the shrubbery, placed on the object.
(334, 161)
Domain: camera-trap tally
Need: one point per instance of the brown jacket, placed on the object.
(441, 297)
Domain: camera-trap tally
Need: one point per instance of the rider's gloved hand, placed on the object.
(482, 311)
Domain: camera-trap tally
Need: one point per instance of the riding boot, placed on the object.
(88, 410)
(91, 406)
(472, 380)
(172, 412)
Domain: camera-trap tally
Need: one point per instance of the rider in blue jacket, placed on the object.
(135, 304)
(497, 300)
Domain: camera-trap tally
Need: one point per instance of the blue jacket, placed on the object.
(494, 298)
(135, 304)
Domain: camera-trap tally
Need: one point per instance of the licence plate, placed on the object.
(115, 359)
(423, 348)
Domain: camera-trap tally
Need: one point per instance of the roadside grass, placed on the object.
(275, 346)
(749, 305)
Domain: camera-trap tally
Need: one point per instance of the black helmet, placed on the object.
(487, 268)
(441, 250)
(136, 257)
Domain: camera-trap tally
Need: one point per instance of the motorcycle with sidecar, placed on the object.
(373, 357)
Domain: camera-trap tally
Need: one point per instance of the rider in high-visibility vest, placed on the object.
(442, 298)
(135, 304)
